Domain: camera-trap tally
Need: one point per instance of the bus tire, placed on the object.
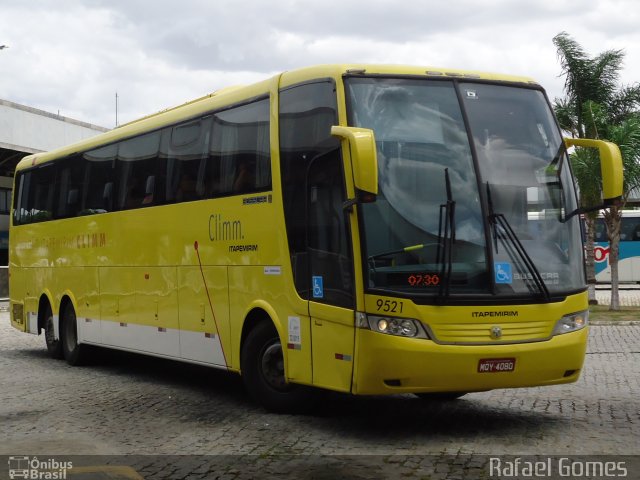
(54, 345)
(262, 365)
(74, 352)
(440, 396)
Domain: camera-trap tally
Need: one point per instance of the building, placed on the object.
(25, 130)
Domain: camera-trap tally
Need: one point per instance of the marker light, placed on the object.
(571, 323)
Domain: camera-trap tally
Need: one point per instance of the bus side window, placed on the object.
(107, 196)
(70, 179)
(40, 194)
(185, 147)
(20, 198)
(635, 235)
(240, 151)
(601, 231)
(99, 194)
(139, 164)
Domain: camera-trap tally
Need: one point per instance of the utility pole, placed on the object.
(116, 109)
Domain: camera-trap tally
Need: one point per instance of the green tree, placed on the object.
(596, 106)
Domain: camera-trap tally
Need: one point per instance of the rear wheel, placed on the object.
(263, 376)
(54, 345)
(74, 353)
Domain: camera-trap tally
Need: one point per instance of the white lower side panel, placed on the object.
(202, 347)
(141, 337)
(32, 322)
(197, 347)
(89, 330)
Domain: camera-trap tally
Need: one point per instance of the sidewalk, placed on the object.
(629, 295)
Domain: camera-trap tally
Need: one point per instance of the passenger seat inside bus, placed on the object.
(107, 196)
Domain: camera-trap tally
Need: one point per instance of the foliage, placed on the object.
(595, 106)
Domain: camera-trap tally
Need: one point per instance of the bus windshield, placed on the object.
(471, 175)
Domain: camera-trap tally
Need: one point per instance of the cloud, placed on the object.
(74, 56)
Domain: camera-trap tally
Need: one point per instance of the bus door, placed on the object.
(313, 189)
(330, 272)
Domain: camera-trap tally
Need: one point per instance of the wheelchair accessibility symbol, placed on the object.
(503, 272)
(318, 288)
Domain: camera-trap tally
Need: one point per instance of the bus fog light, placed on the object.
(572, 323)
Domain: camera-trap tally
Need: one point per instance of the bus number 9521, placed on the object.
(389, 306)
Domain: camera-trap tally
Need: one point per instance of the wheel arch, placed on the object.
(263, 371)
(67, 298)
(260, 312)
(74, 352)
(44, 301)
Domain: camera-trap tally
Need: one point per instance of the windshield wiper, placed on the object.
(372, 258)
(395, 252)
(446, 237)
(502, 229)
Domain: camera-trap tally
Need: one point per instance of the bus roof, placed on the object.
(230, 95)
(296, 76)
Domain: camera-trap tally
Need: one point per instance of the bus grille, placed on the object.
(480, 333)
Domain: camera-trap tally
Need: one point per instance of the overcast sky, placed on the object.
(73, 56)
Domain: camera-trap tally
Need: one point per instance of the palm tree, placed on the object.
(627, 135)
(595, 106)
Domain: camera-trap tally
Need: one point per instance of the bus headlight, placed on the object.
(572, 323)
(401, 327)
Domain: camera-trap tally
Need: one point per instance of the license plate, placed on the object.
(496, 365)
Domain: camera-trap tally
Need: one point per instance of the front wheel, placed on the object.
(74, 352)
(262, 364)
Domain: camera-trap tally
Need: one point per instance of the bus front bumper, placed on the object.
(388, 364)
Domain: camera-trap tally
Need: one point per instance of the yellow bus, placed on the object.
(360, 228)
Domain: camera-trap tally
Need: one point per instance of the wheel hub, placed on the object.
(273, 367)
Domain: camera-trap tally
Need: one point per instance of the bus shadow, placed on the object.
(134, 368)
(351, 416)
(397, 416)
(402, 416)
(166, 372)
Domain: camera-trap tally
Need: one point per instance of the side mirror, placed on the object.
(364, 159)
(610, 166)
